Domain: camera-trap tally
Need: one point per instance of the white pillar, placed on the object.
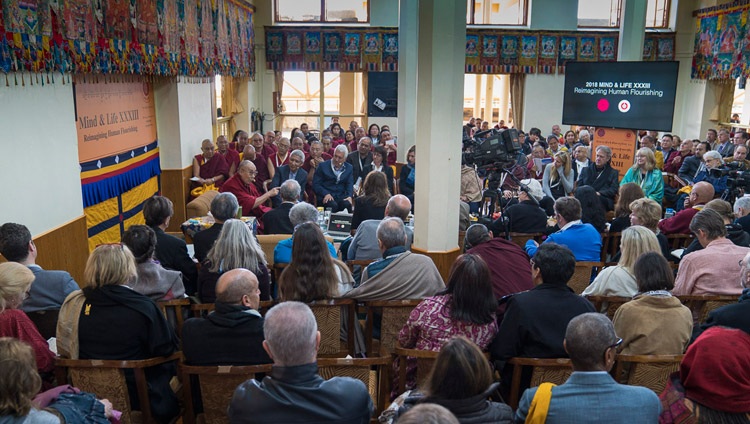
(440, 83)
(407, 75)
(504, 98)
(488, 96)
(632, 30)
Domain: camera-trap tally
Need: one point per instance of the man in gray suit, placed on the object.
(591, 395)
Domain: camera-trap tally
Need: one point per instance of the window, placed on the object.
(330, 11)
(606, 13)
(496, 12)
(341, 94)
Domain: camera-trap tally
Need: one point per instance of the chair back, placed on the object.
(373, 372)
(358, 262)
(329, 315)
(45, 321)
(520, 239)
(650, 371)
(201, 310)
(608, 305)
(425, 361)
(582, 276)
(106, 378)
(702, 305)
(268, 242)
(174, 313)
(554, 370)
(679, 241)
(217, 385)
(394, 315)
(610, 246)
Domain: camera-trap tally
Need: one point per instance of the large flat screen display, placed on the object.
(633, 95)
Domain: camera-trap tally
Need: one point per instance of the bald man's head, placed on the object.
(249, 152)
(238, 287)
(398, 206)
(704, 192)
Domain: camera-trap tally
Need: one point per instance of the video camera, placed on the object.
(502, 146)
(738, 182)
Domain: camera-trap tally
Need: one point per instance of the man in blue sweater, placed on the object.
(582, 239)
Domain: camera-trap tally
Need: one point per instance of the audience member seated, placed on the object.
(401, 274)
(724, 146)
(333, 182)
(647, 213)
(553, 141)
(298, 214)
(268, 147)
(677, 159)
(654, 322)
(526, 332)
(590, 395)
(371, 204)
(712, 270)
(582, 239)
(233, 333)
(21, 383)
(628, 193)
(735, 233)
(592, 211)
(735, 315)
(15, 280)
(510, 272)
(388, 143)
(738, 159)
(361, 161)
(407, 175)
(291, 171)
(235, 248)
(223, 207)
(239, 141)
(692, 164)
(427, 413)
(50, 288)
(537, 171)
(526, 216)
(460, 380)
(646, 174)
(557, 180)
(712, 160)
(231, 157)
(665, 145)
(109, 320)
(314, 159)
(712, 383)
(171, 252)
(742, 212)
(208, 167)
(294, 392)
(581, 155)
(649, 142)
(277, 221)
(619, 280)
(379, 164)
(465, 308)
(248, 196)
(281, 157)
(261, 167)
(152, 280)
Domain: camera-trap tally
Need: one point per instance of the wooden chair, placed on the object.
(394, 314)
(217, 385)
(106, 379)
(174, 313)
(650, 371)
(373, 372)
(277, 270)
(679, 241)
(328, 315)
(268, 242)
(461, 238)
(702, 305)
(608, 305)
(358, 262)
(201, 310)
(521, 238)
(610, 246)
(45, 321)
(582, 276)
(425, 362)
(555, 370)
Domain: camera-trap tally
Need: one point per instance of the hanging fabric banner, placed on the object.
(472, 53)
(722, 42)
(567, 52)
(588, 49)
(332, 57)
(607, 49)
(352, 52)
(313, 51)
(390, 51)
(529, 52)
(372, 56)
(489, 59)
(548, 54)
(509, 54)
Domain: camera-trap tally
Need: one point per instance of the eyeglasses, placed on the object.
(614, 345)
(533, 264)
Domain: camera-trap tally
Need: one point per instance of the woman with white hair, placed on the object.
(645, 173)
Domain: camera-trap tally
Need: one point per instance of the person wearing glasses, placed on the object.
(590, 395)
(243, 187)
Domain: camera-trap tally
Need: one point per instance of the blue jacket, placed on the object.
(325, 181)
(582, 239)
(281, 175)
(595, 398)
(282, 253)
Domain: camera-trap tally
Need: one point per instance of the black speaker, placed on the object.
(382, 94)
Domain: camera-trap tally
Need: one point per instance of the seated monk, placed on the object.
(248, 196)
(209, 167)
(231, 157)
(261, 165)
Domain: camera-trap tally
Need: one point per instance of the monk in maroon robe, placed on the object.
(208, 167)
(248, 196)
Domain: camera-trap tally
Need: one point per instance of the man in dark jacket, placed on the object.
(233, 333)
(601, 177)
(277, 220)
(223, 207)
(294, 392)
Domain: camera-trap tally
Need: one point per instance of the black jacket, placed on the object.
(732, 316)
(359, 171)
(604, 181)
(204, 240)
(172, 253)
(277, 221)
(231, 335)
(525, 217)
(473, 410)
(299, 395)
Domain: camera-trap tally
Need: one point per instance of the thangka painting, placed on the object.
(313, 51)
(390, 52)
(489, 57)
(332, 55)
(509, 55)
(722, 43)
(372, 54)
(548, 54)
(472, 53)
(352, 52)
(587, 49)
(567, 51)
(529, 51)
(608, 49)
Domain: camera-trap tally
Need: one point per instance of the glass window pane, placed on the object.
(499, 12)
(301, 92)
(346, 10)
(298, 10)
(598, 13)
(657, 14)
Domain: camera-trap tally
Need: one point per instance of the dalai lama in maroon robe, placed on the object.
(248, 196)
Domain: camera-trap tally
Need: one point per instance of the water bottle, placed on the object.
(668, 213)
(321, 218)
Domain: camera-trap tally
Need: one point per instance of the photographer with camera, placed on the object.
(715, 172)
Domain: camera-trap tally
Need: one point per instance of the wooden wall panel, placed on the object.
(175, 184)
(64, 248)
(443, 260)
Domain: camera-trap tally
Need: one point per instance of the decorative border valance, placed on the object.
(194, 38)
(722, 42)
(488, 51)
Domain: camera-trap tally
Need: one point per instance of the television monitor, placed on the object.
(629, 95)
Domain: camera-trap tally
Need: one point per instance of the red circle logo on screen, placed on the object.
(600, 133)
(624, 106)
(602, 105)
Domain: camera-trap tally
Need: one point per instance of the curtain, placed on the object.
(722, 112)
(363, 109)
(278, 85)
(230, 105)
(517, 82)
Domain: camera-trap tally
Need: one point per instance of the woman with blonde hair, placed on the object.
(645, 174)
(646, 212)
(109, 320)
(235, 248)
(619, 280)
(558, 180)
(15, 282)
